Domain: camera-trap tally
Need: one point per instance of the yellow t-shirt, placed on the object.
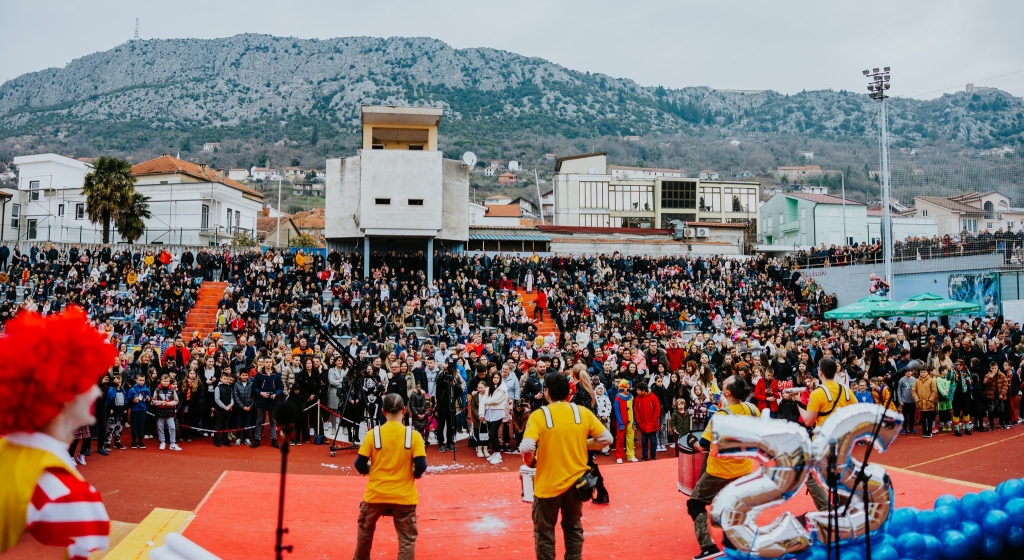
(561, 450)
(391, 478)
(819, 402)
(724, 467)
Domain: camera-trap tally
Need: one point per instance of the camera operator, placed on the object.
(555, 442)
(449, 387)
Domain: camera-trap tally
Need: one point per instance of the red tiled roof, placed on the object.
(504, 211)
(166, 164)
(587, 229)
(314, 219)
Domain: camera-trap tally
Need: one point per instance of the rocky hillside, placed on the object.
(276, 89)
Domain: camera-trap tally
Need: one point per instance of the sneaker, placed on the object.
(142, 446)
(441, 449)
(135, 445)
(174, 447)
(273, 443)
(707, 553)
(80, 459)
(601, 499)
(255, 444)
(248, 442)
(957, 433)
(969, 432)
(927, 435)
(87, 452)
(312, 432)
(103, 451)
(618, 461)
(238, 442)
(119, 446)
(633, 460)
(147, 437)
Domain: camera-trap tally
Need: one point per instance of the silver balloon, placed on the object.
(783, 448)
(846, 426)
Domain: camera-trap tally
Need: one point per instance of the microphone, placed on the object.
(285, 415)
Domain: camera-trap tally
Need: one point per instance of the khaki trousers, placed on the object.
(405, 526)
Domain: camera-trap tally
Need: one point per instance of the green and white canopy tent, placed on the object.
(866, 308)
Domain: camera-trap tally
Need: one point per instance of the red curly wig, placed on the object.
(44, 363)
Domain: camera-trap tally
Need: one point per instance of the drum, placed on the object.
(691, 463)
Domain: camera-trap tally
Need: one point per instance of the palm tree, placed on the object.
(109, 190)
(129, 222)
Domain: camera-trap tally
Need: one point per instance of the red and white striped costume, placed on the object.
(64, 510)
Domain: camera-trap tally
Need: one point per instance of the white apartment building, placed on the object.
(191, 204)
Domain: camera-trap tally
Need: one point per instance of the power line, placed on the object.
(964, 84)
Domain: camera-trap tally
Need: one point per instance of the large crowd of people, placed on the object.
(645, 341)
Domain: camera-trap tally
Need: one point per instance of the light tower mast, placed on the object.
(136, 29)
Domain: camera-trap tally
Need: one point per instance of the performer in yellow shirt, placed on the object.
(394, 456)
(720, 470)
(824, 400)
(48, 387)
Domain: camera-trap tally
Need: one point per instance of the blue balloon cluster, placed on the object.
(982, 524)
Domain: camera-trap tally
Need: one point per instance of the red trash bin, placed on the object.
(691, 465)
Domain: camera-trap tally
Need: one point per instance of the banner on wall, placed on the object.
(980, 289)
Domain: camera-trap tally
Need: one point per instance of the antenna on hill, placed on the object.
(136, 29)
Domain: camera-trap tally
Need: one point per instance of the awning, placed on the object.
(482, 237)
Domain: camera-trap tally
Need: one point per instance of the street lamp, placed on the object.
(878, 85)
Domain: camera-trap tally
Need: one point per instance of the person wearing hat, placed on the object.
(49, 389)
(962, 387)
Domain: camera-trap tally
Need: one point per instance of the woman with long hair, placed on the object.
(587, 398)
(193, 397)
(495, 405)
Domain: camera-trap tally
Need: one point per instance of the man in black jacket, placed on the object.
(448, 387)
(268, 388)
(397, 385)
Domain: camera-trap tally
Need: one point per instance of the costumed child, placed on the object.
(626, 433)
(48, 384)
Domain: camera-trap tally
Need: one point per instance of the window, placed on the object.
(679, 194)
(382, 201)
(988, 225)
(33, 190)
(970, 224)
(924, 213)
(204, 219)
(595, 220)
(32, 229)
(631, 198)
(80, 211)
(378, 146)
(238, 218)
(741, 200)
(666, 219)
(415, 202)
(593, 194)
(16, 216)
(230, 214)
(60, 209)
(1009, 225)
(416, 147)
(849, 241)
(710, 199)
(990, 211)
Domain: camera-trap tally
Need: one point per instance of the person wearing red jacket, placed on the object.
(647, 415)
(541, 304)
(766, 391)
(177, 356)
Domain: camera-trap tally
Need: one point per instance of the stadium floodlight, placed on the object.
(877, 86)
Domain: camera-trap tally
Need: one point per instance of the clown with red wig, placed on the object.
(49, 368)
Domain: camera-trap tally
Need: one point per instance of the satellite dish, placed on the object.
(469, 158)
(513, 166)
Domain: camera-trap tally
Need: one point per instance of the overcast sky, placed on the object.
(784, 45)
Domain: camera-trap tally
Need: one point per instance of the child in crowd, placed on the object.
(244, 397)
(117, 414)
(418, 410)
(139, 396)
(647, 412)
(905, 393)
(83, 438)
(979, 402)
(604, 410)
(926, 400)
(223, 397)
(679, 426)
(944, 385)
(165, 403)
(520, 414)
(862, 393)
(881, 394)
(788, 408)
(699, 408)
(625, 445)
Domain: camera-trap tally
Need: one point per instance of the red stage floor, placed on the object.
(475, 515)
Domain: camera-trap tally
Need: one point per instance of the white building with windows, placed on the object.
(191, 203)
(590, 193)
(974, 212)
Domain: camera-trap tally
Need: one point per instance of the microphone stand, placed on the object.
(281, 529)
(454, 416)
(833, 506)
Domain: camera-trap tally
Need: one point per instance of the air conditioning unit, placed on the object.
(690, 232)
(702, 232)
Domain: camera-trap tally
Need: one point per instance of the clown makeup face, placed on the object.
(81, 411)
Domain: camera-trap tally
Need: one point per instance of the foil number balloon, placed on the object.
(788, 455)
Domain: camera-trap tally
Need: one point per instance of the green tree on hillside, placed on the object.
(110, 198)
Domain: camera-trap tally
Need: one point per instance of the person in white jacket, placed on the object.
(494, 404)
(604, 409)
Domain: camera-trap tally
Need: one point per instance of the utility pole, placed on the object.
(136, 29)
(846, 240)
(278, 210)
(540, 203)
(877, 88)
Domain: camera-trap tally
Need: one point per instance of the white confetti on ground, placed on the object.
(489, 524)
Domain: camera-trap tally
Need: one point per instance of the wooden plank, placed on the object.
(149, 534)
